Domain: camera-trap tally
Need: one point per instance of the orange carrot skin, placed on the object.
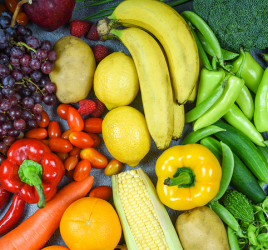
(33, 233)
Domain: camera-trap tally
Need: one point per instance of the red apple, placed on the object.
(50, 14)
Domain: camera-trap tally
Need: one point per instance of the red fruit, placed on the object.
(49, 15)
(93, 33)
(86, 107)
(100, 107)
(79, 28)
(100, 52)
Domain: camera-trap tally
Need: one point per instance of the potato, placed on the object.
(74, 69)
(201, 229)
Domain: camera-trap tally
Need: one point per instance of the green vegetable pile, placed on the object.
(236, 23)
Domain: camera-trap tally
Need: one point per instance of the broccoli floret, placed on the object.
(236, 23)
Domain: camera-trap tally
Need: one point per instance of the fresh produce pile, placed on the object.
(211, 157)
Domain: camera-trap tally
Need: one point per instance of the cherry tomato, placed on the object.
(11, 5)
(81, 139)
(93, 125)
(22, 18)
(66, 134)
(113, 167)
(70, 174)
(37, 133)
(60, 145)
(62, 111)
(62, 156)
(46, 142)
(45, 120)
(75, 152)
(97, 159)
(96, 140)
(54, 130)
(75, 120)
(101, 192)
(82, 170)
(70, 163)
(2, 8)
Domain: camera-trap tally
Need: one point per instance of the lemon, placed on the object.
(116, 80)
(126, 135)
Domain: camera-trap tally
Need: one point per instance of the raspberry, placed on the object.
(93, 33)
(79, 28)
(100, 52)
(100, 107)
(86, 107)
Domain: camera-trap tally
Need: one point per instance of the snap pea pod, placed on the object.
(232, 238)
(204, 106)
(196, 136)
(245, 102)
(227, 170)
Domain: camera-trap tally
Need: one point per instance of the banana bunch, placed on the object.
(168, 72)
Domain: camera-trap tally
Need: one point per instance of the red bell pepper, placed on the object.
(32, 171)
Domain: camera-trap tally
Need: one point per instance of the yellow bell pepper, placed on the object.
(188, 176)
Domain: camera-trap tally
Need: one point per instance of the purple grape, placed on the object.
(14, 133)
(14, 61)
(32, 41)
(4, 70)
(3, 45)
(32, 124)
(43, 81)
(2, 131)
(19, 124)
(9, 140)
(11, 31)
(47, 67)
(52, 55)
(15, 113)
(28, 33)
(35, 63)
(26, 92)
(4, 59)
(19, 39)
(18, 87)
(2, 158)
(3, 118)
(28, 102)
(49, 99)
(21, 135)
(3, 148)
(26, 114)
(37, 118)
(5, 104)
(26, 70)
(50, 87)
(21, 30)
(46, 45)
(7, 13)
(5, 21)
(37, 108)
(13, 100)
(8, 126)
(8, 81)
(3, 38)
(32, 87)
(17, 75)
(38, 97)
(18, 96)
(8, 50)
(8, 91)
(25, 60)
(41, 54)
(16, 52)
(1, 96)
(36, 76)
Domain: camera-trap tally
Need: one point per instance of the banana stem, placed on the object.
(19, 5)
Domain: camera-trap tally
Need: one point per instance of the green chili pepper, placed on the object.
(237, 119)
(232, 238)
(252, 72)
(221, 107)
(204, 106)
(261, 104)
(200, 134)
(265, 57)
(227, 166)
(245, 102)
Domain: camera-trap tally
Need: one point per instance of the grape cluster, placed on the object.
(24, 68)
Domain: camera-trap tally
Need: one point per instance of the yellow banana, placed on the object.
(179, 121)
(155, 85)
(173, 33)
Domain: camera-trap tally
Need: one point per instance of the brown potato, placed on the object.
(201, 229)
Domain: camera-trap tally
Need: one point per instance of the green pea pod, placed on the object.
(245, 102)
(224, 103)
(196, 136)
(227, 170)
(228, 55)
(204, 106)
(214, 146)
(237, 119)
(201, 25)
(261, 104)
(232, 238)
(251, 235)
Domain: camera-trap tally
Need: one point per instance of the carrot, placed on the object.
(33, 233)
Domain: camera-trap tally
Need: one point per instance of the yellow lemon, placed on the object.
(116, 80)
(126, 135)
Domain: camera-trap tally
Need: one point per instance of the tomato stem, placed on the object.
(19, 5)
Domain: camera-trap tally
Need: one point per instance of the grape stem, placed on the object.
(28, 80)
(19, 5)
(25, 45)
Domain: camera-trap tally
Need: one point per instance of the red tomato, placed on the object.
(11, 5)
(81, 139)
(62, 156)
(82, 170)
(37, 133)
(75, 152)
(46, 142)
(96, 140)
(60, 145)
(70, 174)
(66, 134)
(101, 192)
(62, 111)
(45, 120)
(93, 125)
(97, 159)
(54, 130)
(113, 167)
(22, 18)
(75, 120)
(70, 163)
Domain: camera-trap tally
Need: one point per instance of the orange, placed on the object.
(90, 224)
(55, 248)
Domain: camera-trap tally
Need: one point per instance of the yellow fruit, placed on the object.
(126, 135)
(116, 80)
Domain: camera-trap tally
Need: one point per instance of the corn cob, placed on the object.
(145, 221)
